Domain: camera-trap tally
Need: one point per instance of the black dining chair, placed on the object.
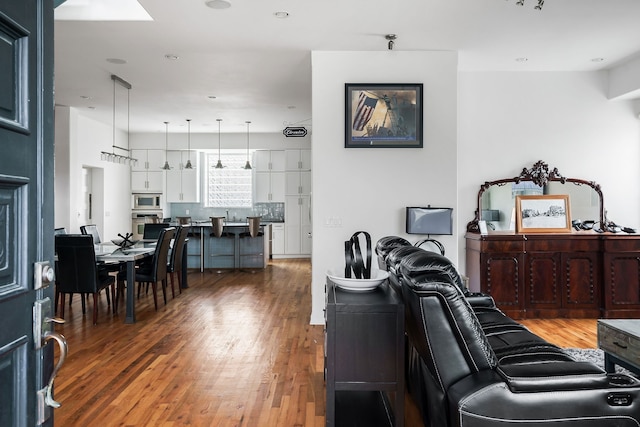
(175, 259)
(152, 231)
(78, 272)
(56, 232)
(153, 272)
(92, 230)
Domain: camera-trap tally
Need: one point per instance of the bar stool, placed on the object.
(221, 249)
(248, 246)
(184, 220)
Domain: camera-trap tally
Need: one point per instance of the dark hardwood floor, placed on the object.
(235, 349)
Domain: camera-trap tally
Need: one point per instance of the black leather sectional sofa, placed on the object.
(469, 365)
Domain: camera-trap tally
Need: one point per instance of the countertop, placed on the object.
(207, 223)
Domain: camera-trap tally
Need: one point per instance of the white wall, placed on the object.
(79, 141)
(509, 120)
(368, 189)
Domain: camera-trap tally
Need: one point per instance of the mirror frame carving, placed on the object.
(539, 174)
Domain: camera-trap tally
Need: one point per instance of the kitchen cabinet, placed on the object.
(233, 249)
(183, 185)
(269, 161)
(147, 182)
(298, 202)
(297, 183)
(277, 238)
(269, 187)
(298, 160)
(147, 175)
(298, 225)
(268, 176)
(194, 248)
(148, 160)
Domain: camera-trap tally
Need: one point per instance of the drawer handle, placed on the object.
(619, 345)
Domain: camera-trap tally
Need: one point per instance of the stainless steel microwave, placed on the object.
(147, 201)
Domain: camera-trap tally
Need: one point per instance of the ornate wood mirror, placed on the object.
(496, 199)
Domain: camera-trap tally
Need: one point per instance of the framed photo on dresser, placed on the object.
(543, 214)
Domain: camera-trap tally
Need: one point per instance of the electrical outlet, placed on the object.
(187, 211)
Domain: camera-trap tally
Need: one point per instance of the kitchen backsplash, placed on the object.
(268, 211)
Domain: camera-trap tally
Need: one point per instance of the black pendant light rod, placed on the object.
(188, 165)
(219, 164)
(248, 164)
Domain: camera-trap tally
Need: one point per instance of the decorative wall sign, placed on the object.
(295, 132)
(383, 115)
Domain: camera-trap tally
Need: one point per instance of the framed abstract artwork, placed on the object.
(383, 115)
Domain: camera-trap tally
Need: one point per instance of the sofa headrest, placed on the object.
(396, 255)
(386, 244)
(417, 264)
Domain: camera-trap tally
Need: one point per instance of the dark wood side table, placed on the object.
(364, 357)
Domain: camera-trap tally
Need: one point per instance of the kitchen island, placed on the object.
(234, 249)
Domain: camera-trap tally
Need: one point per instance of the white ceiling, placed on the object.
(258, 66)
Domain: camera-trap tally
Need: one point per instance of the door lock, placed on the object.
(43, 274)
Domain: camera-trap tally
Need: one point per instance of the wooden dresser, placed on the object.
(582, 274)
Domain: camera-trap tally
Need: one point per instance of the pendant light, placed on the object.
(166, 147)
(248, 165)
(219, 164)
(188, 165)
(112, 157)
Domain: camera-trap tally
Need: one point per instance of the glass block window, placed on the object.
(229, 187)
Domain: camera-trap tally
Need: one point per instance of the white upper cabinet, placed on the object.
(298, 160)
(269, 177)
(147, 175)
(268, 187)
(298, 183)
(269, 160)
(148, 160)
(183, 185)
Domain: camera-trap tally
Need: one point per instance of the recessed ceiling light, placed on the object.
(212, 97)
(291, 107)
(171, 57)
(522, 59)
(85, 97)
(597, 59)
(116, 61)
(218, 4)
(281, 14)
(91, 107)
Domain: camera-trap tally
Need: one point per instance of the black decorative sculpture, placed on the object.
(354, 261)
(126, 240)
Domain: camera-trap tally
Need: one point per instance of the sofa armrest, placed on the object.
(553, 376)
(478, 300)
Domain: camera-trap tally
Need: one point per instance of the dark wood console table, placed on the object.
(364, 357)
(582, 274)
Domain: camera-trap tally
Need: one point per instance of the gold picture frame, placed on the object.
(543, 214)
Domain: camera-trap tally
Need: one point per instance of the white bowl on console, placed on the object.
(358, 285)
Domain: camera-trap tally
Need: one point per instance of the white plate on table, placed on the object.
(358, 285)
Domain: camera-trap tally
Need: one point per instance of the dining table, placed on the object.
(109, 252)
